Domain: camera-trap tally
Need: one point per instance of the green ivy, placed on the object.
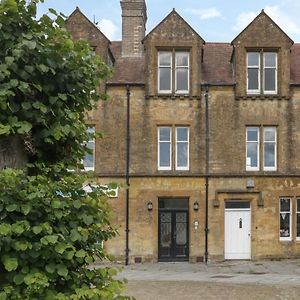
(50, 231)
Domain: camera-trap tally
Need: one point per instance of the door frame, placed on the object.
(250, 227)
(173, 224)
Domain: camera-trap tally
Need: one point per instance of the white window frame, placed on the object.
(187, 167)
(275, 148)
(166, 67)
(297, 213)
(94, 147)
(289, 238)
(182, 67)
(264, 73)
(249, 168)
(251, 91)
(162, 168)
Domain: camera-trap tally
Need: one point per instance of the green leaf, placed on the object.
(11, 207)
(37, 229)
(75, 236)
(10, 263)
(24, 127)
(5, 229)
(21, 246)
(77, 204)
(88, 220)
(3, 296)
(60, 248)
(14, 83)
(69, 254)
(81, 253)
(4, 129)
(62, 270)
(52, 239)
(25, 208)
(30, 44)
(26, 105)
(50, 268)
(18, 279)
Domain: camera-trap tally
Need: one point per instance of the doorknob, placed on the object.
(249, 234)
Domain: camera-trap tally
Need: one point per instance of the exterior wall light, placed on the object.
(196, 206)
(149, 206)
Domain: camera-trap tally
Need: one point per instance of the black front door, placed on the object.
(173, 235)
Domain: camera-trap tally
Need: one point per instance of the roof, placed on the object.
(127, 70)
(295, 64)
(216, 66)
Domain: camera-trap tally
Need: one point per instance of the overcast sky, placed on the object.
(214, 20)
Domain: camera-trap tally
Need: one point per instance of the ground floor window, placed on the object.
(285, 231)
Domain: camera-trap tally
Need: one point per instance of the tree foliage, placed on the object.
(47, 82)
(51, 230)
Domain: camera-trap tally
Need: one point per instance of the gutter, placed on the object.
(206, 173)
(127, 174)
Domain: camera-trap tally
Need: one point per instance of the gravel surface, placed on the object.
(161, 290)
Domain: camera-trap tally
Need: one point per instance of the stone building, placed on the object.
(205, 135)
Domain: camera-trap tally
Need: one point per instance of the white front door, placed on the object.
(238, 231)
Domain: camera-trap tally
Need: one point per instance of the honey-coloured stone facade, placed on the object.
(217, 72)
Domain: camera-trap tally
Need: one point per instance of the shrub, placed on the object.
(50, 231)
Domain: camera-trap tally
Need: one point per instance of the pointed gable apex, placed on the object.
(77, 12)
(173, 14)
(264, 15)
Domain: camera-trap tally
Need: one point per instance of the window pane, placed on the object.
(165, 79)
(165, 58)
(165, 134)
(270, 78)
(284, 204)
(284, 224)
(237, 204)
(270, 59)
(269, 154)
(182, 134)
(252, 134)
(164, 159)
(270, 134)
(298, 204)
(253, 79)
(182, 79)
(182, 59)
(182, 154)
(252, 153)
(253, 58)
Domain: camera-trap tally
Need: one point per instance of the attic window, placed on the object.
(262, 72)
(173, 72)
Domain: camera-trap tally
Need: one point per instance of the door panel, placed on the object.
(173, 235)
(165, 236)
(237, 234)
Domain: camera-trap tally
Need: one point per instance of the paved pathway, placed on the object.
(284, 272)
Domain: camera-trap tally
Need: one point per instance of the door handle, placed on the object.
(249, 234)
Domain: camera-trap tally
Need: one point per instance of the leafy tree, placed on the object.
(47, 82)
(50, 228)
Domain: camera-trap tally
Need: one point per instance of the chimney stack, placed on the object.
(134, 18)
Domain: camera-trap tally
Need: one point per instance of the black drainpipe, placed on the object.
(127, 174)
(206, 172)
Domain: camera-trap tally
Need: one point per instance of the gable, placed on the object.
(262, 30)
(82, 28)
(173, 27)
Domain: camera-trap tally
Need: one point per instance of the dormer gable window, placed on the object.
(262, 72)
(173, 72)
